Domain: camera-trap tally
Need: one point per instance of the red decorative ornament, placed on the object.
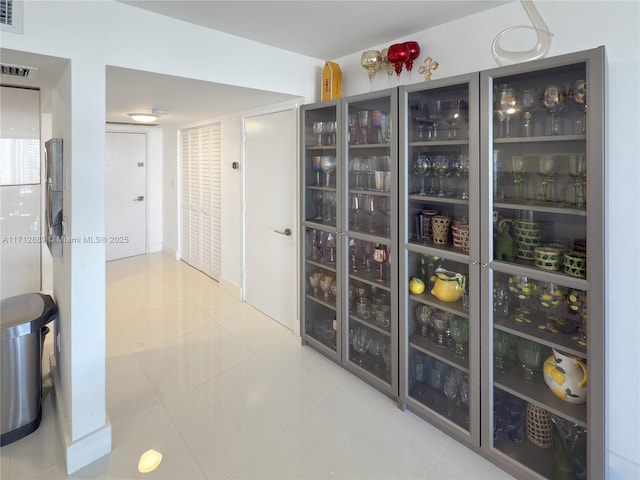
(414, 51)
(398, 54)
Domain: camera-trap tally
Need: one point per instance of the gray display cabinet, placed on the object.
(350, 240)
(534, 263)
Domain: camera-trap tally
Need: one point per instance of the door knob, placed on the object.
(286, 232)
(139, 199)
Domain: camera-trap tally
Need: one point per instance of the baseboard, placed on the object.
(172, 252)
(231, 287)
(155, 247)
(85, 450)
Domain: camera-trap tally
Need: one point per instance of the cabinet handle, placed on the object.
(287, 232)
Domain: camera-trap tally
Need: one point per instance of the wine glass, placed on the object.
(450, 389)
(530, 355)
(325, 286)
(328, 166)
(380, 255)
(547, 168)
(578, 171)
(501, 343)
(522, 287)
(423, 317)
(518, 167)
(363, 121)
(441, 322)
(371, 61)
(370, 210)
(578, 96)
(421, 371)
(331, 246)
(377, 119)
(463, 393)
(454, 113)
(353, 131)
(421, 169)
(355, 208)
(314, 281)
(529, 103)
(330, 130)
(356, 167)
(318, 199)
(437, 168)
(317, 166)
(434, 114)
(462, 171)
(506, 102)
(360, 343)
(549, 296)
(554, 101)
(318, 129)
(460, 334)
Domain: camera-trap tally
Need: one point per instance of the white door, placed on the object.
(270, 193)
(126, 202)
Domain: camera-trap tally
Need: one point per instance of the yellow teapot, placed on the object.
(449, 286)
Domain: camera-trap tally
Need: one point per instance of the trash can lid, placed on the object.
(26, 313)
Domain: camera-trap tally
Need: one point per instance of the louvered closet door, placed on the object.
(200, 167)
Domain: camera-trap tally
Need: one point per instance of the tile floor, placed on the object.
(225, 392)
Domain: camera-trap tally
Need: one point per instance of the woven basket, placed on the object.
(440, 225)
(539, 427)
(460, 235)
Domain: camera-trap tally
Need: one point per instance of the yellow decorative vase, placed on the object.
(566, 377)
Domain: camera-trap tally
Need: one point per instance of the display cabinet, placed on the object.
(350, 309)
(542, 257)
(439, 239)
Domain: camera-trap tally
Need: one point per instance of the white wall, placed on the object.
(464, 46)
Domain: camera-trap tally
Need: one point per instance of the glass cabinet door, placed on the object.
(440, 248)
(321, 249)
(371, 238)
(544, 222)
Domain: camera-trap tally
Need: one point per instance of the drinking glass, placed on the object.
(421, 169)
(325, 286)
(501, 342)
(423, 317)
(356, 168)
(578, 171)
(577, 304)
(529, 103)
(360, 343)
(463, 394)
(331, 246)
(506, 101)
(363, 121)
(522, 287)
(441, 321)
(547, 168)
(438, 168)
(518, 167)
(355, 208)
(328, 166)
(380, 255)
(450, 389)
(314, 280)
(462, 171)
(317, 167)
(454, 113)
(578, 96)
(353, 132)
(549, 296)
(318, 199)
(377, 119)
(434, 114)
(330, 130)
(530, 354)
(554, 101)
(421, 371)
(318, 129)
(370, 210)
(567, 446)
(460, 333)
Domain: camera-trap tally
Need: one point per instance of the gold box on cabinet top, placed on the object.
(331, 81)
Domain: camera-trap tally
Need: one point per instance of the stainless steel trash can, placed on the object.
(22, 329)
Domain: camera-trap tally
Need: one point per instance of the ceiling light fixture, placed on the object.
(148, 117)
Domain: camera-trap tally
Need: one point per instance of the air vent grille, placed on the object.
(18, 70)
(6, 12)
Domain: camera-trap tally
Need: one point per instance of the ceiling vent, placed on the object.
(18, 70)
(11, 15)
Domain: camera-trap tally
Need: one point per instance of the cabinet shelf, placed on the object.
(371, 325)
(442, 353)
(542, 139)
(558, 209)
(370, 279)
(446, 251)
(439, 143)
(533, 457)
(415, 197)
(321, 147)
(325, 265)
(526, 267)
(452, 307)
(368, 146)
(321, 301)
(512, 381)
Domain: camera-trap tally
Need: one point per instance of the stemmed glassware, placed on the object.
(530, 354)
(318, 199)
(454, 113)
(325, 286)
(355, 208)
(506, 102)
(529, 103)
(554, 101)
(331, 246)
(318, 129)
(522, 287)
(377, 119)
(578, 96)
(314, 281)
(434, 114)
(360, 342)
(438, 168)
(462, 171)
(549, 296)
(547, 168)
(380, 255)
(423, 317)
(450, 389)
(518, 167)
(328, 166)
(330, 130)
(578, 171)
(459, 328)
(317, 167)
(501, 342)
(441, 322)
(370, 210)
(353, 133)
(421, 169)
(363, 121)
